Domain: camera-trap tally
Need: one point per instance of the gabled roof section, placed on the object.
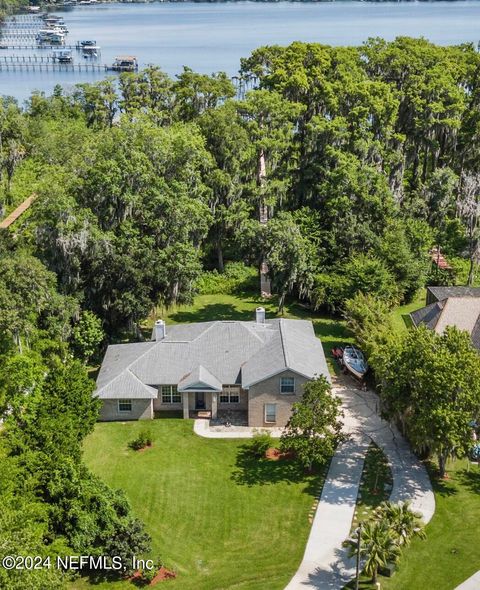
(295, 348)
(126, 386)
(428, 315)
(199, 378)
(441, 293)
(461, 312)
(118, 358)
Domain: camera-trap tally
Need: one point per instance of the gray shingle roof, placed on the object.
(294, 347)
(216, 353)
(126, 386)
(199, 378)
(462, 312)
(427, 315)
(441, 293)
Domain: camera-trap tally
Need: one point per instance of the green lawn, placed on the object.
(400, 315)
(221, 520)
(449, 555)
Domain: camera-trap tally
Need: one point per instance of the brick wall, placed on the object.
(268, 391)
(142, 409)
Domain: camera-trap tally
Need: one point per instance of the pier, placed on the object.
(53, 66)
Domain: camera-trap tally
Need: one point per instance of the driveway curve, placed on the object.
(325, 564)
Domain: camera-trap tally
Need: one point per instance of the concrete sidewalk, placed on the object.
(472, 583)
(202, 427)
(325, 564)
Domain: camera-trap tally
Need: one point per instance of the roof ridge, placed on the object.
(250, 330)
(284, 349)
(128, 370)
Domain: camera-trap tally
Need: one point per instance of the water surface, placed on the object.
(210, 37)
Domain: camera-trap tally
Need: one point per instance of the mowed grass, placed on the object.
(220, 520)
(449, 554)
(400, 315)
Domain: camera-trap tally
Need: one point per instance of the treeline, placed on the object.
(361, 158)
(50, 503)
(364, 158)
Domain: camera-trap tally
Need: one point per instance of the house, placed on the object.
(451, 306)
(253, 368)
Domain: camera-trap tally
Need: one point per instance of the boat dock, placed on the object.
(54, 66)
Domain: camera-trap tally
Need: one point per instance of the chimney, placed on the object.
(160, 330)
(260, 315)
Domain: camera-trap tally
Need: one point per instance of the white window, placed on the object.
(287, 385)
(124, 405)
(230, 394)
(170, 394)
(270, 412)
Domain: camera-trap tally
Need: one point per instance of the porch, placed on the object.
(224, 417)
(200, 404)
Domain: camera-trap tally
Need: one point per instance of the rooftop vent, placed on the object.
(160, 330)
(260, 315)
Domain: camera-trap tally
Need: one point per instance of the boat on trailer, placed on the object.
(354, 361)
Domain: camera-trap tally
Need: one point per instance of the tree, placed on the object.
(289, 255)
(369, 320)
(314, 428)
(378, 547)
(401, 519)
(469, 210)
(87, 335)
(431, 384)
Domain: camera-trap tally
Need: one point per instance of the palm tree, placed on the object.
(402, 520)
(378, 546)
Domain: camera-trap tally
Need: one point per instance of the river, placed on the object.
(210, 37)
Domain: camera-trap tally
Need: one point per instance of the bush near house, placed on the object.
(142, 441)
(260, 444)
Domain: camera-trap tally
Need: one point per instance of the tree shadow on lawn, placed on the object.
(252, 471)
(470, 479)
(212, 311)
(443, 487)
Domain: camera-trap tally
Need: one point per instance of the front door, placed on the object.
(199, 400)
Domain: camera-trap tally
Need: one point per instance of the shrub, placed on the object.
(260, 444)
(237, 278)
(144, 439)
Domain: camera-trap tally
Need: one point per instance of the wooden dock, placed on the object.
(14, 215)
(37, 47)
(53, 66)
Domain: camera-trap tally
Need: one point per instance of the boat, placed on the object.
(89, 47)
(354, 361)
(62, 56)
(124, 63)
(53, 36)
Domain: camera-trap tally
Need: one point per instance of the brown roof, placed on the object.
(439, 259)
(14, 215)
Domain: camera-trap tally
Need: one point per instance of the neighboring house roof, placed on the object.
(439, 259)
(462, 312)
(428, 315)
(210, 354)
(440, 293)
